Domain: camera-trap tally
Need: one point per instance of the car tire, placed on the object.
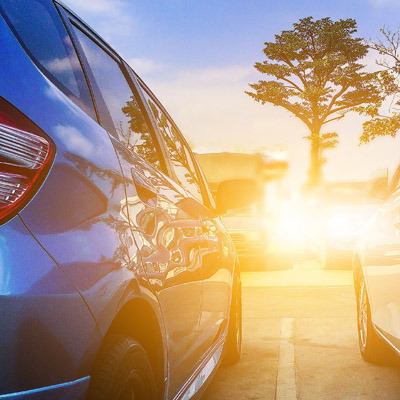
(233, 343)
(122, 371)
(373, 348)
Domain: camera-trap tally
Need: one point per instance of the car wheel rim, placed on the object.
(363, 315)
(134, 387)
(238, 333)
(238, 318)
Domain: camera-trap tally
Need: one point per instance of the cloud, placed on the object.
(215, 75)
(213, 112)
(145, 66)
(98, 6)
(74, 140)
(112, 19)
(57, 65)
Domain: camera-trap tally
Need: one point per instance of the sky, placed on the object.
(198, 57)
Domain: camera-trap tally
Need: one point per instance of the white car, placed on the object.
(376, 266)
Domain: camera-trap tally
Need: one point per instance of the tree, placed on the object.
(317, 77)
(389, 124)
(137, 137)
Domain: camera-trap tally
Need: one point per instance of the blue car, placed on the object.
(118, 279)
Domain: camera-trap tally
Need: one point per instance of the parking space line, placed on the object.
(286, 388)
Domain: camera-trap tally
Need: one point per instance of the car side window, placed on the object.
(127, 117)
(178, 151)
(39, 28)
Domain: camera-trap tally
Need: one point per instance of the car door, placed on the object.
(161, 222)
(216, 250)
(382, 265)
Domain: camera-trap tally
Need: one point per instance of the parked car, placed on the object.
(339, 212)
(249, 236)
(376, 269)
(118, 279)
(251, 228)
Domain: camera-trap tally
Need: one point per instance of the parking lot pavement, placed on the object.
(298, 278)
(300, 342)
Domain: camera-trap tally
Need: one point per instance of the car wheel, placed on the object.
(372, 347)
(122, 372)
(233, 344)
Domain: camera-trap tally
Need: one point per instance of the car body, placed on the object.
(109, 238)
(377, 277)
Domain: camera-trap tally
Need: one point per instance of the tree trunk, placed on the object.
(315, 171)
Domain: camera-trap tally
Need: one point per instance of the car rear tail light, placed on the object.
(26, 154)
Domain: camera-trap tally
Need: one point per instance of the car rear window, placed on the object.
(38, 27)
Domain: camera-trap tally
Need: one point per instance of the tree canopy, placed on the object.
(382, 125)
(317, 76)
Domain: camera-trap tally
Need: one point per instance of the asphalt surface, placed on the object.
(300, 342)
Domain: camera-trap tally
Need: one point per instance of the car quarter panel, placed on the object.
(38, 347)
(380, 254)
